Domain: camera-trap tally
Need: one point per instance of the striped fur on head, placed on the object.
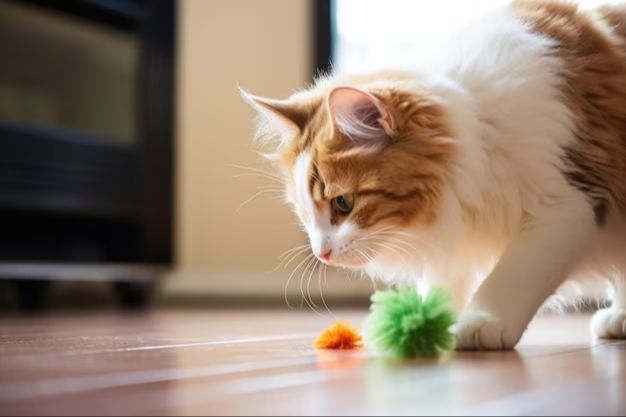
(385, 149)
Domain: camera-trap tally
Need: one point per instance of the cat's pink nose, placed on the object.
(325, 256)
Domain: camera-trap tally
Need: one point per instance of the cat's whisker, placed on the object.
(273, 195)
(304, 271)
(392, 237)
(415, 237)
(325, 268)
(361, 256)
(422, 241)
(372, 235)
(274, 192)
(256, 170)
(399, 243)
(291, 275)
(255, 195)
(269, 188)
(392, 241)
(258, 175)
(411, 255)
(398, 232)
(289, 256)
(291, 250)
(373, 254)
(368, 258)
(370, 252)
(311, 263)
(392, 249)
(364, 255)
(393, 233)
(294, 248)
(389, 230)
(294, 256)
(308, 284)
(293, 272)
(375, 232)
(272, 187)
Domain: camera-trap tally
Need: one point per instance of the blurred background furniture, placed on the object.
(86, 144)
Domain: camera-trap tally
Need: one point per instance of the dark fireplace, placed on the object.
(86, 143)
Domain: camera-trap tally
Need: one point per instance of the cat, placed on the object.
(497, 167)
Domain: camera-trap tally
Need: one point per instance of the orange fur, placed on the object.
(411, 169)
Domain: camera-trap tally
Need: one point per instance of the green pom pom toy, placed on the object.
(404, 324)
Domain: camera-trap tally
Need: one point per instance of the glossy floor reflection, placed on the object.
(262, 362)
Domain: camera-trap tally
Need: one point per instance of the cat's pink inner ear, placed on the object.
(349, 103)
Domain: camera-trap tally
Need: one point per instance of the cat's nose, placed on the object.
(325, 256)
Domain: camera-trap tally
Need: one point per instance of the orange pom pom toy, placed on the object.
(340, 336)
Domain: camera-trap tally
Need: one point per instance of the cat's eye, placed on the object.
(341, 204)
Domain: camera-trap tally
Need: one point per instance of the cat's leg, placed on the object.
(533, 266)
(610, 323)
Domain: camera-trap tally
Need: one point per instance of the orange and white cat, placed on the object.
(497, 167)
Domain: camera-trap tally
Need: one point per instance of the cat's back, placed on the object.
(592, 48)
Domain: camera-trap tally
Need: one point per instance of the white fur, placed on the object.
(541, 229)
(316, 223)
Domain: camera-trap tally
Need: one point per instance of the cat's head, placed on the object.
(362, 163)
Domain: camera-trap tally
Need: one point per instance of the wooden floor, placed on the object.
(261, 362)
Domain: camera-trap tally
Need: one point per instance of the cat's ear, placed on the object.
(360, 116)
(289, 111)
(278, 119)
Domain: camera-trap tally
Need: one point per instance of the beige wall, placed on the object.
(262, 45)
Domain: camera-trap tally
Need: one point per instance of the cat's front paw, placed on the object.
(610, 323)
(478, 330)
